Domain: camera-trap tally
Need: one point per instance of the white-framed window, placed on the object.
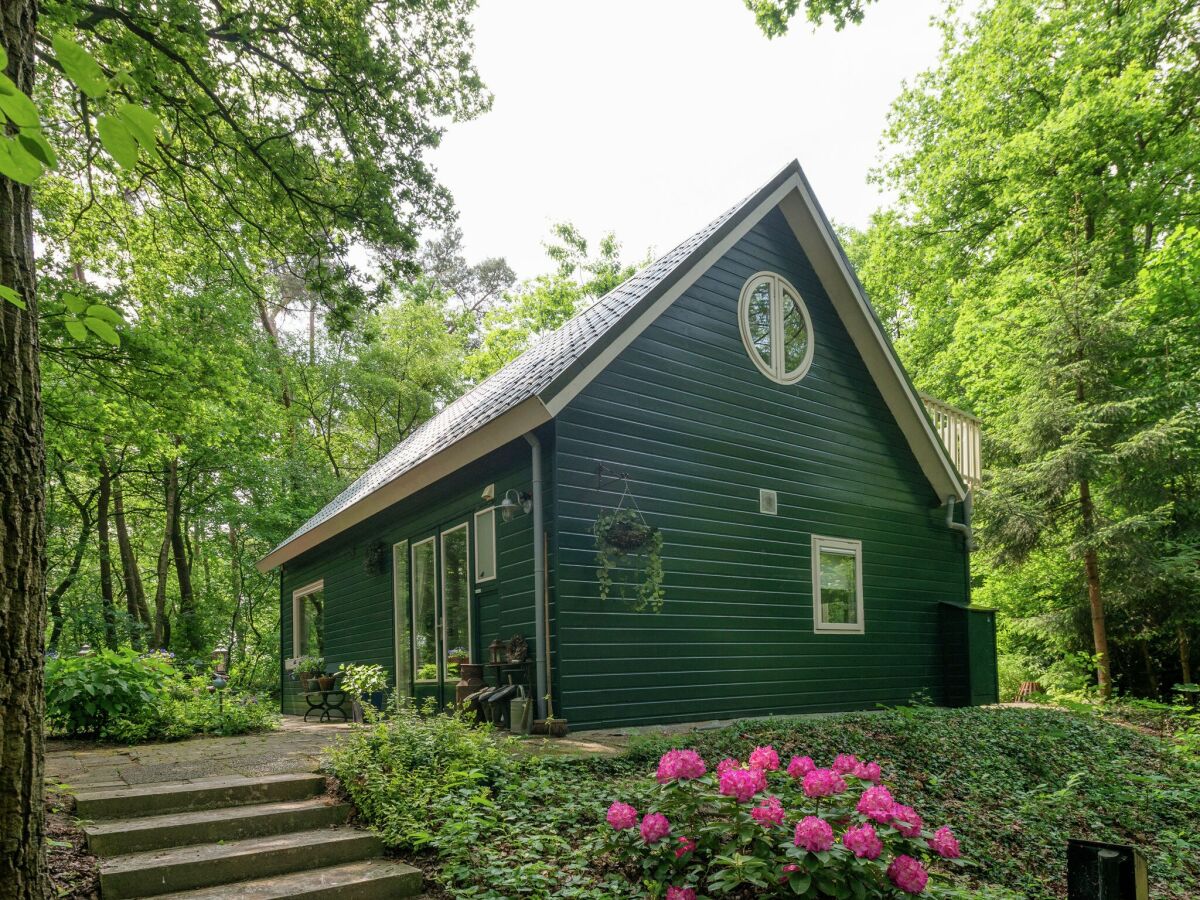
(837, 585)
(776, 327)
(485, 545)
(308, 620)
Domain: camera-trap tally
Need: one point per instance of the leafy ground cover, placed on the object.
(1014, 783)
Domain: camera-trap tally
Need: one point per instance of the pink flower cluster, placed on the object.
(686, 846)
(654, 827)
(764, 758)
(823, 783)
(679, 765)
(814, 834)
(678, 893)
(908, 874)
(621, 816)
(800, 766)
(769, 812)
(944, 843)
(742, 784)
(863, 842)
(876, 803)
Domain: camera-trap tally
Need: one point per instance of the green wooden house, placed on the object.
(742, 395)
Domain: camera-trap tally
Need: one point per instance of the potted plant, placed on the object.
(360, 681)
(625, 540)
(310, 668)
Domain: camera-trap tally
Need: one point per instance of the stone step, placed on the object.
(370, 879)
(157, 872)
(116, 836)
(165, 797)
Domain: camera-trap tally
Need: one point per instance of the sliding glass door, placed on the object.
(438, 612)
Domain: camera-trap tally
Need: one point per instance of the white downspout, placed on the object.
(539, 573)
(964, 527)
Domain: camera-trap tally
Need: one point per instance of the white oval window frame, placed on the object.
(779, 284)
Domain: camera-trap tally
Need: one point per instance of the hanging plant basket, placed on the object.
(630, 548)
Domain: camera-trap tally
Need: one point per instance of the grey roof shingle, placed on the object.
(526, 376)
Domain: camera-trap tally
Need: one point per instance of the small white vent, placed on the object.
(768, 502)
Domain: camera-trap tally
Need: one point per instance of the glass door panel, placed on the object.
(456, 601)
(424, 618)
(402, 603)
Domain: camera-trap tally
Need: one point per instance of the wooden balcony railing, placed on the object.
(960, 433)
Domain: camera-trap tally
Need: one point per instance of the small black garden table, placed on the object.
(326, 702)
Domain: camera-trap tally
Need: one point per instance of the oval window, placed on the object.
(775, 327)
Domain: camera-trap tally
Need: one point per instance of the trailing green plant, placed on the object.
(625, 541)
(85, 692)
(310, 665)
(361, 680)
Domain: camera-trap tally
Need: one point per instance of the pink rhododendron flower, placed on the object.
(823, 783)
(845, 763)
(764, 758)
(876, 803)
(742, 783)
(678, 893)
(908, 874)
(863, 842)
(944, 843)
(680, 764)
(621, 816)
(814, 834)
(726, 764)
(768, 813)
(686, 846)
(906, 821)
(655, 827)
(787, 870)
(868, 772)
(800, 766)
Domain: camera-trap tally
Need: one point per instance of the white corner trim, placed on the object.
(820, 246)
(630, 333)
(523, 417)
(843, 546)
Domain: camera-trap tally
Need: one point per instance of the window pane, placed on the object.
(485, 545)
(424, 602)
(312, 624)
(456, 599)
(403, 607)
(795, 334)
(758, 318)
(839, 594)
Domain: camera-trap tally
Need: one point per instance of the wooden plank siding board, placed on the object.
(685, 412)
(359, 616)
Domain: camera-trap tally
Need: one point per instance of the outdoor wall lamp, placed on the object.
(514, 500)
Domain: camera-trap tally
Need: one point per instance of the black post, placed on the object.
(1098, 871)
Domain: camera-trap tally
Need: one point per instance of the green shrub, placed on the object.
(189, 709)
(85, 693)
(1014, 669)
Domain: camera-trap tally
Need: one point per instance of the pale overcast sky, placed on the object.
(650, 117)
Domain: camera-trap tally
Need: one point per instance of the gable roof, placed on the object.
(538, 384)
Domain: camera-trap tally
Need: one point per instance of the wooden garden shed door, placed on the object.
(439, 611)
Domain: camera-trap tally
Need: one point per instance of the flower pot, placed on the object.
(470, 680)
(325, 682)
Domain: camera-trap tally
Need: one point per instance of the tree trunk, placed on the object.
(1185, 655)
(1091, 568)
(189, 626)
(54, 601)
(162, 627)
(135, 593)
(106, 582)
(22, 516)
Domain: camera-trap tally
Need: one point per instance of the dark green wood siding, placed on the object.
(685, 412)
(359, 608)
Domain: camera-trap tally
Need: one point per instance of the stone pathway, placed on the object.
(295, 747)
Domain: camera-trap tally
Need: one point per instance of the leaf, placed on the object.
(80, 67)
(142, 124)
(77, 329)
(12, 296)
(117, 141)
(103, 330)
(75, 303)
(16, 163)
(111, 316)
(15, 105)
(38, 147)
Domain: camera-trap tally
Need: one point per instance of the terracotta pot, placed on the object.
(470, 680)
(325, 682)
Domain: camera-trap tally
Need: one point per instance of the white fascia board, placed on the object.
(509, 426)
(824, 253)
(630, 332)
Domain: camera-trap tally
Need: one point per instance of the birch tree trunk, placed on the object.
(22, 516)
(103, 535)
